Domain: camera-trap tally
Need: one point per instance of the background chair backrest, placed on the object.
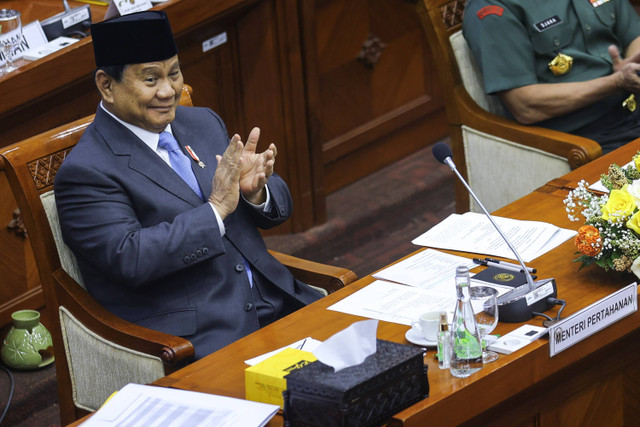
(487, 147)
(472, 76)
(89, 367)
(67, 258)
(440, 20)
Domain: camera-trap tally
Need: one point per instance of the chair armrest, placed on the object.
(576, 149)
(185, 96)
(324, 276)
(174, 351)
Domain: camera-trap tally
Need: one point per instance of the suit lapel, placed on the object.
(142, 159)
(185, 137)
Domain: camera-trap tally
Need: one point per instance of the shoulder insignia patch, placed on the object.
(490, 10)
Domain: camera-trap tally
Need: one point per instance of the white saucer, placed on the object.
(415, 337)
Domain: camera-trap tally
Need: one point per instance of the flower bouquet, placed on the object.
(610, 237)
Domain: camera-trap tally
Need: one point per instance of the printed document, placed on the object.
(402, 304)
(395, 303)
(473, 232)
(143, 405)
(427, 270)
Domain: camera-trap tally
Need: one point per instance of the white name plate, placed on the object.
(32, 37)
(125, 7)
(593, 318)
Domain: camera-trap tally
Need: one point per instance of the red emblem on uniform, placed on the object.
(490, 10)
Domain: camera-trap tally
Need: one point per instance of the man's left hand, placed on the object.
(256, 168)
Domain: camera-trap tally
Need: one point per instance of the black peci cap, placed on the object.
(133, 39)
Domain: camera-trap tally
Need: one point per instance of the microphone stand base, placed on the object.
(518, 305)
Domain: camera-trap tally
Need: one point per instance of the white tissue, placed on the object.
(350, 346)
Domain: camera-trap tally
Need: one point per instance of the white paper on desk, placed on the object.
(395, 303)
(472, 232)
(428, 269)
(141, 405)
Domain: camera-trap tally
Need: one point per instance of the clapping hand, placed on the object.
(225, 189)
(256, 168)
(241, 169)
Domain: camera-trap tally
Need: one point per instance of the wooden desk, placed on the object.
(524, 388)
(592, 171)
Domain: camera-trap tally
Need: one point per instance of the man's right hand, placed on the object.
(225, 190)
(626, 70)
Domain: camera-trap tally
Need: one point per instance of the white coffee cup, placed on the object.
(427, 325)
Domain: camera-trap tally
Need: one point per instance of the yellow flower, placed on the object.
(636, 161)
(634, 222)
(619, 206)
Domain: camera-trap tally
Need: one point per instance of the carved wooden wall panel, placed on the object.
(373, 95)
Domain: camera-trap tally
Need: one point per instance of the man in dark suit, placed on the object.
(162, 209)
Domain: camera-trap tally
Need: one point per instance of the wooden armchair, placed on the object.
(97, 352)
(501, 159)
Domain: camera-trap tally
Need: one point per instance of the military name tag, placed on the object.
(548, 23)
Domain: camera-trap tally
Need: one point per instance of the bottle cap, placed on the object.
(444, 322)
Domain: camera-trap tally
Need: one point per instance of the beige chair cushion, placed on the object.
(99, 367)
(67, 259)
(472, 77)
(501, 171)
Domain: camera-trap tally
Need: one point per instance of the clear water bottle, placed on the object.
(466, 348)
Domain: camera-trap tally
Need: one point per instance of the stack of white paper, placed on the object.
(472, 232)
(142, 405)
(428, 270)
(393, 302)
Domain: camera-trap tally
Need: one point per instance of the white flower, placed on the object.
(634, 190)
(635, 267)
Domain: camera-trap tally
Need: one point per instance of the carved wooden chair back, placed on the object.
(95, 352)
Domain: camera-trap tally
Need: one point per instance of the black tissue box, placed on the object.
(391, 379)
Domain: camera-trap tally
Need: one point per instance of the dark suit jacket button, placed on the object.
(205, 251)
(193, 257)
(239, 268)
(199, 252)
(248, 306)
(187, 259)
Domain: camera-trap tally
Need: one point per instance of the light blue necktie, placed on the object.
(179, 161)
(182, 165)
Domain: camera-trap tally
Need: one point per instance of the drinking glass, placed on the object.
(9, 23)
(485, 307)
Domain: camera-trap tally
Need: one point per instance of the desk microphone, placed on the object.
(521, 303)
